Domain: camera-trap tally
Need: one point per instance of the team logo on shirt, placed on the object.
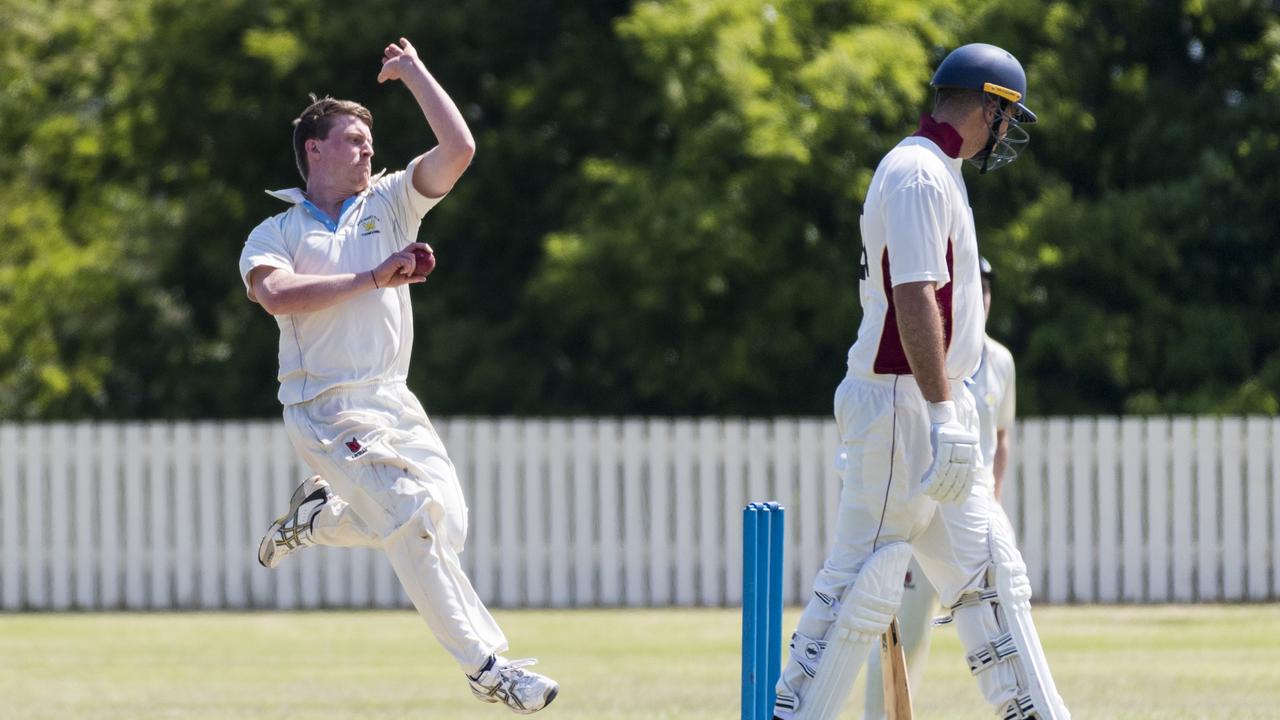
(354, 446)
(369, 225)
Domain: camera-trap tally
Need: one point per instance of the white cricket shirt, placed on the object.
(994, 392)
(917, 226)
(367, 339)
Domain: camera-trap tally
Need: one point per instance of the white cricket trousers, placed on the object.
(884, 452)
(396, 489)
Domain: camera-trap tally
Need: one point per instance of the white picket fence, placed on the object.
(585, 513)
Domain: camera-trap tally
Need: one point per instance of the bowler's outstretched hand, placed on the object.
(397, 60)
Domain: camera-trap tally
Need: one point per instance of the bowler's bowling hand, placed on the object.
(397, 61)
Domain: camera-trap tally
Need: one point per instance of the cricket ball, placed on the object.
(424, 261)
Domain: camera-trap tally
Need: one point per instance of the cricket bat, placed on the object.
(893, 671)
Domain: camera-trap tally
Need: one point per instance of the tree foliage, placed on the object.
(663, 213)
(1143, 262)
(727, 246)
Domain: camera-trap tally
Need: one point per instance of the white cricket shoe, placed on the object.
(292, 531)
(524, 691)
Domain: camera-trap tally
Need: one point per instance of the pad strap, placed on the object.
(992, 653)
(1019, 708)
(807, 651)
(968, 599)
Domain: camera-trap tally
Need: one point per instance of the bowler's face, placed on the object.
(344, 158)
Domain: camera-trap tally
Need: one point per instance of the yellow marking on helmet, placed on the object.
(1004, 92)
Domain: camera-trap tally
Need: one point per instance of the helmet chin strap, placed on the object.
(986, 151)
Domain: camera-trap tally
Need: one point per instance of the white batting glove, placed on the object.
(956, 458)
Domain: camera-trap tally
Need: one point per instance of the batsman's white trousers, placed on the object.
(884, 452)
(397, 490)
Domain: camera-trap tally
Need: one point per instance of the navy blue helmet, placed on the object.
(979, 66)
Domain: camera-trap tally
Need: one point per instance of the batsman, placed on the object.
(909, 454)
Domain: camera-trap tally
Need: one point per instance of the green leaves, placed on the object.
(281, 49)
(715, 272)
(663, 213)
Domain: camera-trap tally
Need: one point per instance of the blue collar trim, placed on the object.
(328, 222)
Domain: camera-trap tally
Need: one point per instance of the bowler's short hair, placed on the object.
(317, 120)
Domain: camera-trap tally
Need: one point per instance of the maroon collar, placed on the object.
(942, 135)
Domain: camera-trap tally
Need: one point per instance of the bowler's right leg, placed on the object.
(315, 516)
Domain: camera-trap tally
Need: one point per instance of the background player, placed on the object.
(334, 270)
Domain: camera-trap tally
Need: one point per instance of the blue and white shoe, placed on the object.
(291, 532)
(506, 681)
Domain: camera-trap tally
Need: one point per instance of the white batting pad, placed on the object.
(1001, 643)
(866, 610)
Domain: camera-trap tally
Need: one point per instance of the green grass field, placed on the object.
(1110, 662)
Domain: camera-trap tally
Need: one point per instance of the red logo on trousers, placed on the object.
(353, 446)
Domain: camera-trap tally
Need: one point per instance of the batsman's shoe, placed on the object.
(506, 681)
(292, 531)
